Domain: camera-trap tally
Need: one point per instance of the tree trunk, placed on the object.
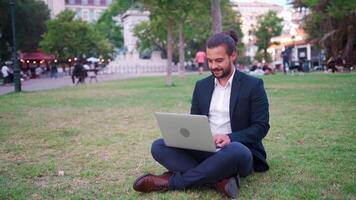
(181, 49)
(349, 58)
(265, 55)
(169, 52)
(216, 14)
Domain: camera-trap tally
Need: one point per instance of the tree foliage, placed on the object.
(268, 26)
(108, 26)
(68, 37)
(261, 56)
(332, 24)
(151, 36)
(110, 30)
(165, 11)
(31, 16)
(197, 28)
(189, 22)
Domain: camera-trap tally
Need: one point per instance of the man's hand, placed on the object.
(221, 140)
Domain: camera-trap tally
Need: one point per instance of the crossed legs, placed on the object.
(197, 168)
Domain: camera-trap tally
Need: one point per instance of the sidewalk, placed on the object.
(52, 83)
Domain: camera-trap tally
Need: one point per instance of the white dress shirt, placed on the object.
(219, 115)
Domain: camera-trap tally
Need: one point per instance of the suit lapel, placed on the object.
(235, 91)
(209, 94)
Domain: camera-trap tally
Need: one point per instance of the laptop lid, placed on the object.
(186, 131)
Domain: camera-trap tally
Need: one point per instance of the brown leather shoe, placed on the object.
(151, 183)
(228, 187)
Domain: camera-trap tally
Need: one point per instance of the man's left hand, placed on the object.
(221, 140)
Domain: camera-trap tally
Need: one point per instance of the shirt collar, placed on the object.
(229, 82)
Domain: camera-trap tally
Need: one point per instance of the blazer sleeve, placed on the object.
(259, 118)
(194, 109)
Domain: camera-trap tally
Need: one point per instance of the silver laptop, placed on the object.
(186, 131)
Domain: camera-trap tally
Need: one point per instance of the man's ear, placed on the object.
(233, 56)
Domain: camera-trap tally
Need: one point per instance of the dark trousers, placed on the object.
(81, 79)
(198, 168)
(73, 79)
(285, 65)
(334, 69)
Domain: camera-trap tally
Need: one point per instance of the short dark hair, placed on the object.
(228, 38)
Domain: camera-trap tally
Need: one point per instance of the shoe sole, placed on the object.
(231, 188)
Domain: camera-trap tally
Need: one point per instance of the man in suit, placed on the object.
(237, 107)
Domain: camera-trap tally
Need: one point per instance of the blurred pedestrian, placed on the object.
(254, 66)
(7, 74)
(200, 59)
(267, 70)
(78, 72)
(340, 63)
(53, 70)
(286, 57)
(332, 65)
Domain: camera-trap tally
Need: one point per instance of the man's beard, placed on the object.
(225, 72)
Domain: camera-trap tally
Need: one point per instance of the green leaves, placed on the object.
(332, 25)
(108, 27)
(68, 37)
(30, 18)
(269, 25)
(197, 24)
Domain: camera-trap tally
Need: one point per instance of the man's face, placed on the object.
(219, 62)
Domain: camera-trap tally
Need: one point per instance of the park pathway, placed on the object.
(52, 83)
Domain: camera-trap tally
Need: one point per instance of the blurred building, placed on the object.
(250, 11)
(88, 10)
(295, 40)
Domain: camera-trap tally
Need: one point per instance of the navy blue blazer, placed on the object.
(249, 114)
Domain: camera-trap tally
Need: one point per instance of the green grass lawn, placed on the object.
(100, 136)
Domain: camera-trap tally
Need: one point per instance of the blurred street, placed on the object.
(52, 83)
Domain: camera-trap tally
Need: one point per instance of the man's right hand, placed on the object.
(221, 140)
